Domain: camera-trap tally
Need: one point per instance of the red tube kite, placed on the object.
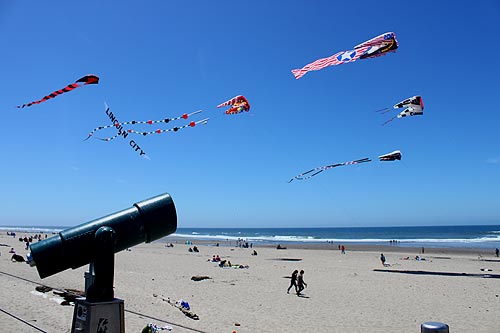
(88, 79)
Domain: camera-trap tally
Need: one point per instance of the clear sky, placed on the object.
(158, 59)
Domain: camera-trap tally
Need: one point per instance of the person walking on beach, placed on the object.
(343, 249)
(497, 251)
(301, 283)
(382, 259)
(293, 281)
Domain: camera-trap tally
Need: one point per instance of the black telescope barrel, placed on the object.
(144, 222)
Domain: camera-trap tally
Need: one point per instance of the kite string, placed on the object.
(22, 320)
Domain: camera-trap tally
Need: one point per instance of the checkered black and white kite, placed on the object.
(120, 126)
(393, 156)
(413, 106)
(313, 172)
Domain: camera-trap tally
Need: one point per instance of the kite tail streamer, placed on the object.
(298, 73)
(383, 111)
(388, 121)
(326, 167)
(174, 129)
(363, 160)
(301, 176)
(124, 133)
(119, 125)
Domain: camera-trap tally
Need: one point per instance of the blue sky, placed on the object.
(158, 59)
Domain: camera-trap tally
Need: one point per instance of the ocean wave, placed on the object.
(33, 230)
(310, 239)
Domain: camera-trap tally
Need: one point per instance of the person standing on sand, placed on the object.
(301, 283)
(293, 281)
(382, 259)
(343, 249)
(497, 251)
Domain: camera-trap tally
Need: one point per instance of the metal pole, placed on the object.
(434, 327)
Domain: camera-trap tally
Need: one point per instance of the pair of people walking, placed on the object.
(297, 281)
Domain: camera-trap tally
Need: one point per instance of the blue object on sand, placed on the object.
(434, 327)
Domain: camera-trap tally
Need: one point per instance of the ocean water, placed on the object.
(465, 236)
(480, 236)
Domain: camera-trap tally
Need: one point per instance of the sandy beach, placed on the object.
(351, 292)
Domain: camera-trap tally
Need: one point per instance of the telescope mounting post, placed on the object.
(100, 312)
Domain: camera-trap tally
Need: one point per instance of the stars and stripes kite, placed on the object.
(122, 130)
(372, 48)
(88, 79)
(395, 155)
(238, 104)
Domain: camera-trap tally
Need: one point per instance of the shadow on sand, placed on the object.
(480, 275)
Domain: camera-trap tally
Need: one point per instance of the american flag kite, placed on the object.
(372, 48)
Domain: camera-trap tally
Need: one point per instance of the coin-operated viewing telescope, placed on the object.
(95, 243)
